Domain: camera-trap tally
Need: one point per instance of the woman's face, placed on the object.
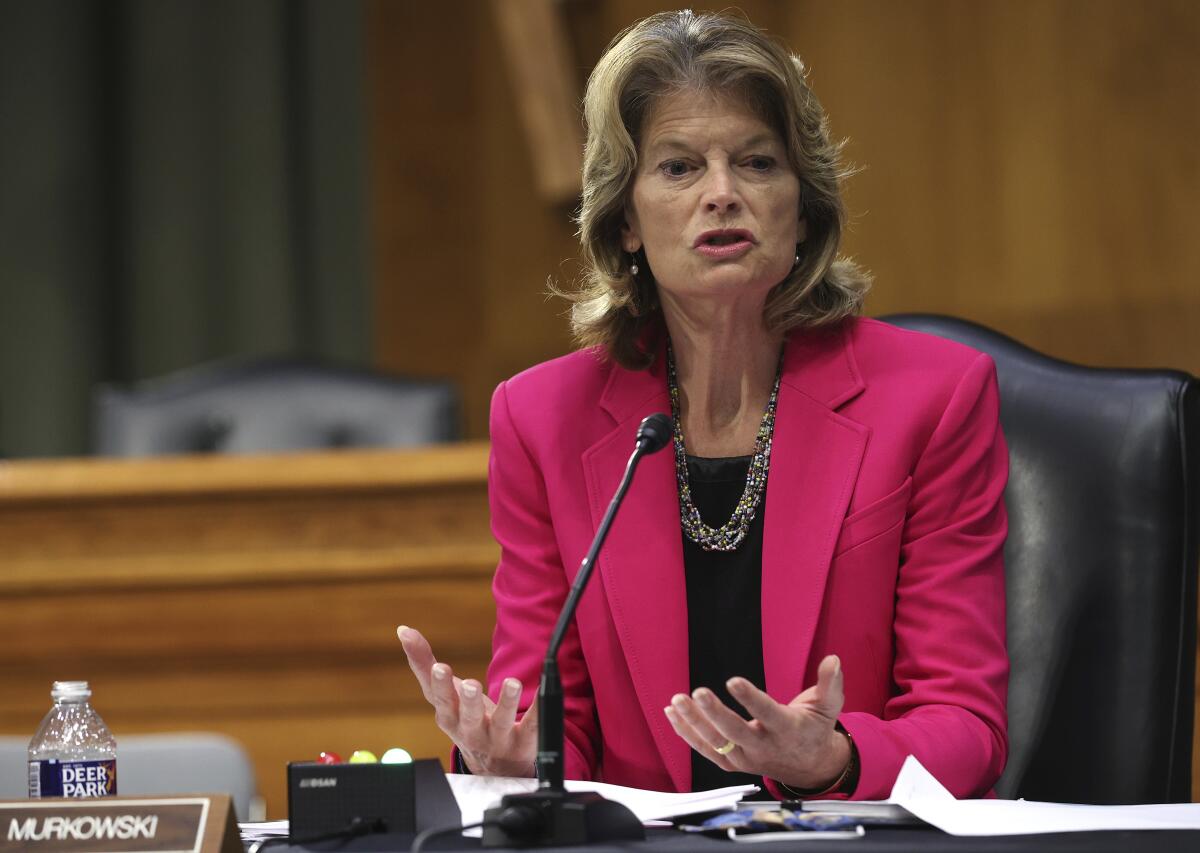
(715, 203)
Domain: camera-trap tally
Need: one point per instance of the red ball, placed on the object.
(329, 758)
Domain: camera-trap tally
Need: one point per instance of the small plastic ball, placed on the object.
(396, 755)
(329, 758)
(363, 756)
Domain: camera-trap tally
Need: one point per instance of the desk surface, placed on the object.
(916, 840)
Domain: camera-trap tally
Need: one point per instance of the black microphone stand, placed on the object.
(551, 816)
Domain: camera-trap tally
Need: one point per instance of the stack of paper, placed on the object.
(262, 830)
(477, 793)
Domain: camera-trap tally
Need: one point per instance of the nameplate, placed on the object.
(199, 823)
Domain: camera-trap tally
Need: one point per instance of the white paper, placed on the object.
(918, 791)
(258, 830)
(476, 793)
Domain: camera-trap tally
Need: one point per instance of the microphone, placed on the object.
(654, 433)
(550, 816)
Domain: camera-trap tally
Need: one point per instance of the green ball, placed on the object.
(363, 756)
(396, 755)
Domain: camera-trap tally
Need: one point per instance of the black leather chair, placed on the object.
(271, 405)
(1101, 565)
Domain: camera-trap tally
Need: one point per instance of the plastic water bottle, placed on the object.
(73, 753)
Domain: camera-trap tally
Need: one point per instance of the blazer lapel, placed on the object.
(641, 563)
(815, 459)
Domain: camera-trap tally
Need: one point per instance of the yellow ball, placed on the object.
(363, 756)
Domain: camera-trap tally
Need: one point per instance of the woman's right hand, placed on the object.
(489, 736)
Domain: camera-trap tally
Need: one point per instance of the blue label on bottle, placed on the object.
(54, 778)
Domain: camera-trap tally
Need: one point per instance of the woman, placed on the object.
(811, 588)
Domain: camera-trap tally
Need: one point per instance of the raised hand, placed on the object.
(489, 736)
(795, 744)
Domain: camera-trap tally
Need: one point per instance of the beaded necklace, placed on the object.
(731, 534)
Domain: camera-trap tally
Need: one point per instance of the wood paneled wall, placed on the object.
(1029, 164)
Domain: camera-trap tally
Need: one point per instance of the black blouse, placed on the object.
(724, 601)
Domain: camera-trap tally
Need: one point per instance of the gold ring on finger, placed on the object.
(726, 748)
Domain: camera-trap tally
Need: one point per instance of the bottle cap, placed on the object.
(68, 690)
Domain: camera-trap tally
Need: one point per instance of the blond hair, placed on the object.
(726, 55)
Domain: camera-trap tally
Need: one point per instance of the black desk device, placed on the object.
(357, 799)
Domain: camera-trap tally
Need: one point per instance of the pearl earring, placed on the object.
(633, 266)
(796, 262)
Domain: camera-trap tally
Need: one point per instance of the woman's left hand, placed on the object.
(795, 744)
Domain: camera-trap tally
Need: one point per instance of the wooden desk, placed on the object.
(255, 596)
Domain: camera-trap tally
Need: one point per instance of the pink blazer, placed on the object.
(883, 541)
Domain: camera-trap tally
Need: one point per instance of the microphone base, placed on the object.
(554, 818)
